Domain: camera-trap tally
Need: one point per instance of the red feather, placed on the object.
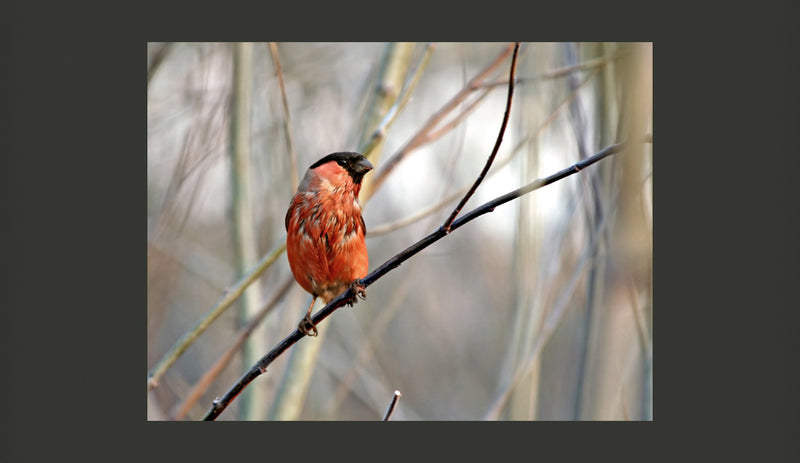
(325, 241)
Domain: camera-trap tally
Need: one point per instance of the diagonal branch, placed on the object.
(349, 296)
(454, 214)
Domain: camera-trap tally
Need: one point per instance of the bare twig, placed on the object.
(457, 210)
(287, 124)
(560, 72)
(393, 404)
(434, 135)
(349, 296)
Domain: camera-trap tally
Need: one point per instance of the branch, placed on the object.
(158, 58)
(405, 96)
(287, 122)
(589, 65)
(389, 411)
(349, 296)
(449, 221)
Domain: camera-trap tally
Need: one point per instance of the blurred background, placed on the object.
(540, 310)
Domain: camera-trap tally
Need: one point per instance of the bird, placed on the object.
(325, 230)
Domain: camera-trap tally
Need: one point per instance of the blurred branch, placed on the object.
(408, 89)
(641, 330)
(434, 135)
(600, 193)
(158, 58)
(287, 124)
(223, 303)
(204, 135)
(551, 322)
(393, 404)
(203, 383)
(423, 135)
(243, 230)
(498, 142)
(349, 296)
(383, 106)
(591, 64)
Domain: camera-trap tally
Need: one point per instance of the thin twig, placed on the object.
(560, 72)
(393, 404)
(287, 124)
(437, 134)
(349, 295)
(457, 210)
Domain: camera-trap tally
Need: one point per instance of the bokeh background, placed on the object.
(540, 310)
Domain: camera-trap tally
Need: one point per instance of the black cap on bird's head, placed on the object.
(354, 163)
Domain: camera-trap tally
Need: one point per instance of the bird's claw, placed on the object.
(357, 290)
(307, 327)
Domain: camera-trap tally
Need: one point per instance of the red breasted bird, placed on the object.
(325, 230)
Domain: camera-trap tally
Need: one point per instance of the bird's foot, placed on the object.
(357, 290)
(307, 327)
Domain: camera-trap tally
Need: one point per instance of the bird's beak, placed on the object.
(362, 166)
